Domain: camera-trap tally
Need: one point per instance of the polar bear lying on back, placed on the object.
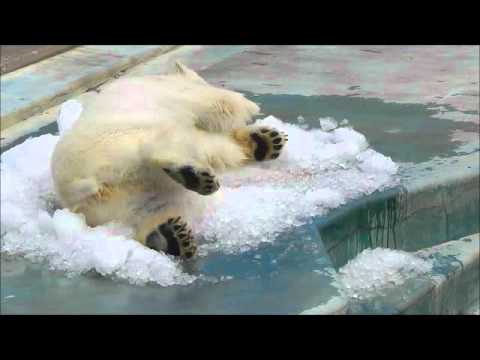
(146, 149)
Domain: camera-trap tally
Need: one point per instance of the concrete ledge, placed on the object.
(451, 287)
(34, 88)
(415, 216)
(337, 305)
(455, 276)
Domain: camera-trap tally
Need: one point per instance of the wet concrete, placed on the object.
(408, 132)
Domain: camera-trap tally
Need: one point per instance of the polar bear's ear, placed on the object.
(187, 72)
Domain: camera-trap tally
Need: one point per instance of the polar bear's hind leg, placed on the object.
(167, 232)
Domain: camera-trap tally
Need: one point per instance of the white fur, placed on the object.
(136, 126)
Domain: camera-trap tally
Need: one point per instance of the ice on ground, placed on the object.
(69, 113)
(32, 228)
(328, 123)
(374, 270)
(318, 171)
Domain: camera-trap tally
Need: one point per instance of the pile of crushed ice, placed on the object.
(320, 169)
(32, 227)
(375, 270)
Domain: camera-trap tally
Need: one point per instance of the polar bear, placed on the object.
(147, 150)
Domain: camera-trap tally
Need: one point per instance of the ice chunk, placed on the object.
(374, 270)
(372, 162)
(70, 112)
(328, 124)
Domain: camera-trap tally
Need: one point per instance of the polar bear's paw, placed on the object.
(173, 237)
(268, 142)
(202, 181)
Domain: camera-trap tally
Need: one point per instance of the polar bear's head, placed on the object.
(229, 110)
(188, 73)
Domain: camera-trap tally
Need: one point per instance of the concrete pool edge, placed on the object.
(68, 74)
(447, 202)
(455, 277)
(455, 272)
(405, 217)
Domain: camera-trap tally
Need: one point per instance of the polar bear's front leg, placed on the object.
(182, 168)
(202, 181)
(260, 143)
(240, 146)
(166, 231)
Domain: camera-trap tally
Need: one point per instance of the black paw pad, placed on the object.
(173, 237)
(268, 143)
(262, 147)
(154, 241)
(199, 180)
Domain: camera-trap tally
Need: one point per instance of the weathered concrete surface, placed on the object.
(456, 276)
(13, 57)
(417, 104)
(432, 109)
(444, 77)
(437, 205)
(32, 89)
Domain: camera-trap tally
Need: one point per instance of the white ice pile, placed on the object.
(69, 113)
(375, 270)
(328, 123)
(319, 170)
(31, 228)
